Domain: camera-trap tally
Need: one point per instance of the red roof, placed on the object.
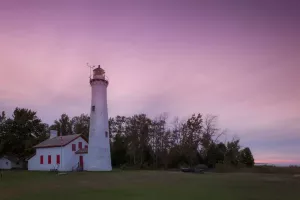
(59, 141)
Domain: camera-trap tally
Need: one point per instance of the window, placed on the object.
(57, 159)
(41, 160)
(49, 159)
(106, 134)
(85, 146)
(93, 108)
(73, 147)
(80, 145)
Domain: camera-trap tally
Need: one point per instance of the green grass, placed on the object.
(133, 185)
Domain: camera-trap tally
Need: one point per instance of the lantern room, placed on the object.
(98, 73)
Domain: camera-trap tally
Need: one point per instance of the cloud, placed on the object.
(241, 66)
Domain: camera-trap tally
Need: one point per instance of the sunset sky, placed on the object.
(239, 60)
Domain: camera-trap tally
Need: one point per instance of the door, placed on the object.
(81, 161)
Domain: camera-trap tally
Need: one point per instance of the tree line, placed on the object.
(136, 141)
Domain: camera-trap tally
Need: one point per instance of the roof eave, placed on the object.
(51, 146)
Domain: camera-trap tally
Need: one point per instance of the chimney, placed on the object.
(53, 134)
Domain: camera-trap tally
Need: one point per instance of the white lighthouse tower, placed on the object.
(98, 158)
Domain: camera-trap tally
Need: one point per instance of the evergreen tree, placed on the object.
(246, 157)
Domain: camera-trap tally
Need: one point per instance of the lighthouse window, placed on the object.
(93, 108)
(106, 134)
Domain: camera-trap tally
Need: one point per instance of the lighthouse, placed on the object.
(98, 158)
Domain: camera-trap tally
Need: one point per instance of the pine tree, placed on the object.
(246, 157)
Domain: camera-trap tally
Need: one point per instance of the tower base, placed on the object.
(98, 159)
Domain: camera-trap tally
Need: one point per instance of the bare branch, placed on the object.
(219, 135)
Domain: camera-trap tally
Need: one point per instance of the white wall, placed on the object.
(99, 158)
(34, 162)
(71, 159)
(68, 157)
(5, 163)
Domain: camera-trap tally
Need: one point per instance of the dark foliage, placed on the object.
(136, 141)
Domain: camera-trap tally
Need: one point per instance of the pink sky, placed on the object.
(238, 60)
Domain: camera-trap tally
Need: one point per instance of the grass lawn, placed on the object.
(16, 185)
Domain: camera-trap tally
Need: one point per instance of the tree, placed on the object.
(63, 125)
(22, 132)
(246, 157)
(232, 153)
(221, 152)
(176, 154)
(119, 150)
(137, 134)
(210, 134)
(2, 117)
(191, 134)
(117, 125)
(81, 124)
(2, 129)
(158, 141)
(215, 154)
(135, 140)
